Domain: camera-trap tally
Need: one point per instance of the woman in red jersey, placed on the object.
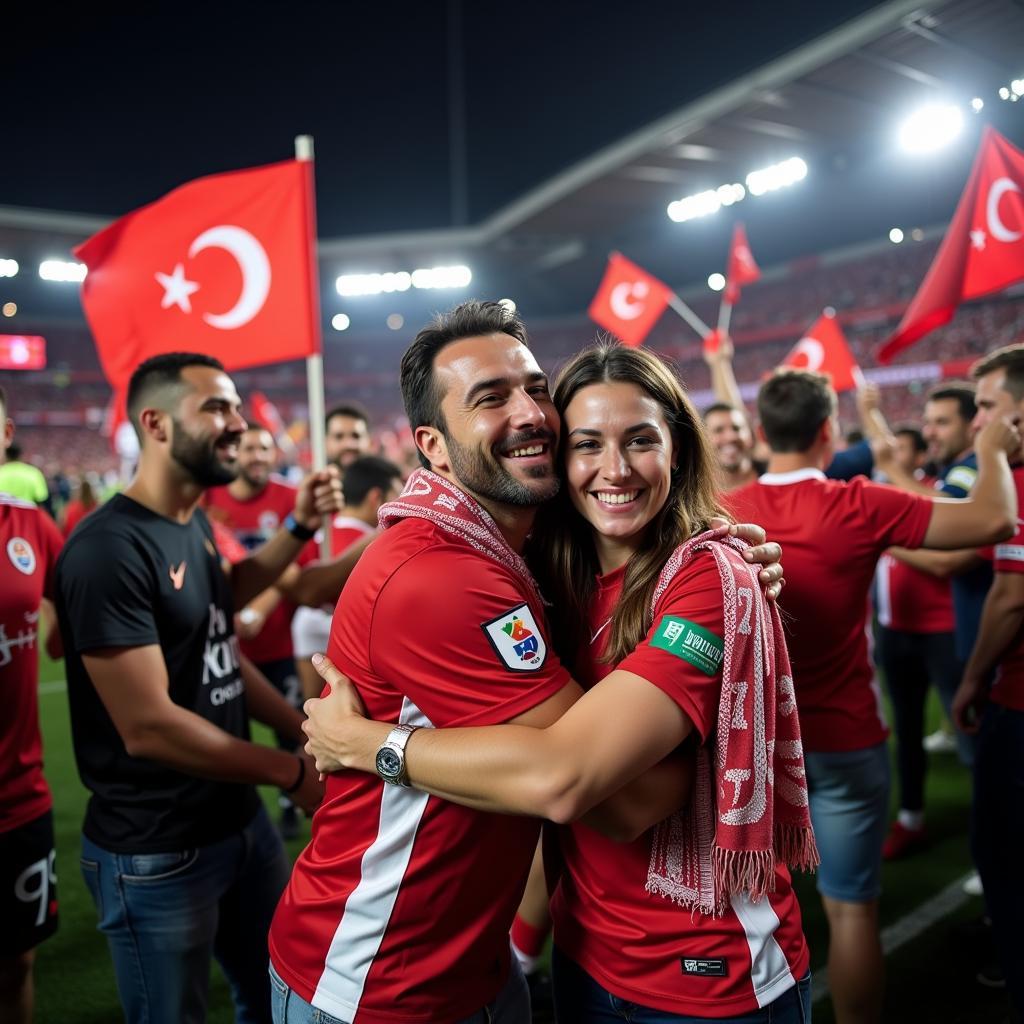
(665, 625)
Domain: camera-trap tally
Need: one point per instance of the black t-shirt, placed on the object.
(129, 578)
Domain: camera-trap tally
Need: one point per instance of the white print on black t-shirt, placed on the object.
(23, 638)
(42, 874)
(220, 659)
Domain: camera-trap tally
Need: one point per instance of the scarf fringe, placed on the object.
(748, 871)
(795, 846)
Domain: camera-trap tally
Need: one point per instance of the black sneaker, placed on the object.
(289, 826)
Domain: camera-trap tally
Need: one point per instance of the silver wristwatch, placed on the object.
(390, 759)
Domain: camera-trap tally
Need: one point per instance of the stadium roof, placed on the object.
(835, 102)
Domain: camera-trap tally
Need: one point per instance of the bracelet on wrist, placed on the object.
(296, 529)
(301, 776)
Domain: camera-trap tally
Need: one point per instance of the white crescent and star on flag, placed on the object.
(996, 228)
(627, 299)
(252, 261)
(812, 350)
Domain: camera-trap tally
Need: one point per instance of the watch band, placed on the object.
(394, 744)
(296, 529)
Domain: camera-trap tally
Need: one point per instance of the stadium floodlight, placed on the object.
(977, 104)
(8, 268)
(442, 277)
(769, 179)
(703, 204)
(1004, 92)
(396, 321)
(895, 236)
(373, 284)
(716, 282)
(9, 308)
(1017, 87)
(931, 128)
(62, 270)
(340, 321)
(509, 304)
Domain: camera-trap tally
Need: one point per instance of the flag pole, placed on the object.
(315, 362)
(724, 317)
(688, 315)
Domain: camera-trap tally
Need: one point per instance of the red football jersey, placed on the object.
(1008, 688)
(645, 948)
(253, 522)
(911, 600)
(29, 545)
(345, 531)
(399, 909)
(833, 534)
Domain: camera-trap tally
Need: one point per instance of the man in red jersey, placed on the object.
(996, 714)
(367, 483)
(347, 434)
(399, 910)
(252, 507)
(29, 545)
(833, 534)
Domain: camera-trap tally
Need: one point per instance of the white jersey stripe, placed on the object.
(883, 591)
(769, 969)
(361, 930)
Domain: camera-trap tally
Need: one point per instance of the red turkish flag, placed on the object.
(742, 269)
(22, 352)
(266, 414)
(983, 250)
(823, 348)
(222, 265)
(629, 301)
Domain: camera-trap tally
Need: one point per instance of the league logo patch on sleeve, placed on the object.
(22, 557)
(515, 637)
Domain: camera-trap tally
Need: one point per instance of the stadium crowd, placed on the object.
(690, 744)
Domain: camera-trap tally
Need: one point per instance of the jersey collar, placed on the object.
(794, 476)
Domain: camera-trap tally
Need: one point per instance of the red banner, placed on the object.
(824, 349)
(629, 301)
(222, 265)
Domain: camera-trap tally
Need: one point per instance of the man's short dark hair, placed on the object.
(471, 319)
(1010, 359)
(351, 409)
(363, 474)
(853, 436)
(792, 406)
(157, 380)
(915, 435)
(958, 391)
(720, 407)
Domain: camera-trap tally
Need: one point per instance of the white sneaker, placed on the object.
(940, 742)
(972, 885)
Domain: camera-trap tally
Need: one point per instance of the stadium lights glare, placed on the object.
(716, 282)
(509, 304)
(701, 204)
(62, 270)
(931, 128)
(896, 236)
(1004, 93)
(340, 321)
(351, 285)
(8, 268)
(1017, 87)
(396, 321)
(977, 104)
(777, 176)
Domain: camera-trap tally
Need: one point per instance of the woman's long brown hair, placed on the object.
(562, 549)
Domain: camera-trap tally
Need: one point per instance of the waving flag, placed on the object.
(823, 348)
(983, 250)
(629, 301)
(222, 265)
(742, 269)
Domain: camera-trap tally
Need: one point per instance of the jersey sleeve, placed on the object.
(959, 481)
(857, 460)
(1009, 556)
(683, 651)
(51, 541)
(457, 634)
(106, 593)
(897, 518)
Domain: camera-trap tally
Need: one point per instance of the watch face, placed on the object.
(389, 763)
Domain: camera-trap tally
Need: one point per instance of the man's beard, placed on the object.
(255, 482)
(198, 457)
(487, 478)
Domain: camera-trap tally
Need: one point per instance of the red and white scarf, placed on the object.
(432, 497)
(749, 806)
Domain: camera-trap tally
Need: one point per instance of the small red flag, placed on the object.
(222, 265)
(265, 413)
(712, 342)
(742, 269)
(983, 250)
(629, 301)
(823, 348)
(22, 352)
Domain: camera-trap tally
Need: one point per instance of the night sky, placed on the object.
(107, 108)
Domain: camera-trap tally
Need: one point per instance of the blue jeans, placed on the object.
(510, 1006)
(579, 999)
(997, 836)
(165, 915)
